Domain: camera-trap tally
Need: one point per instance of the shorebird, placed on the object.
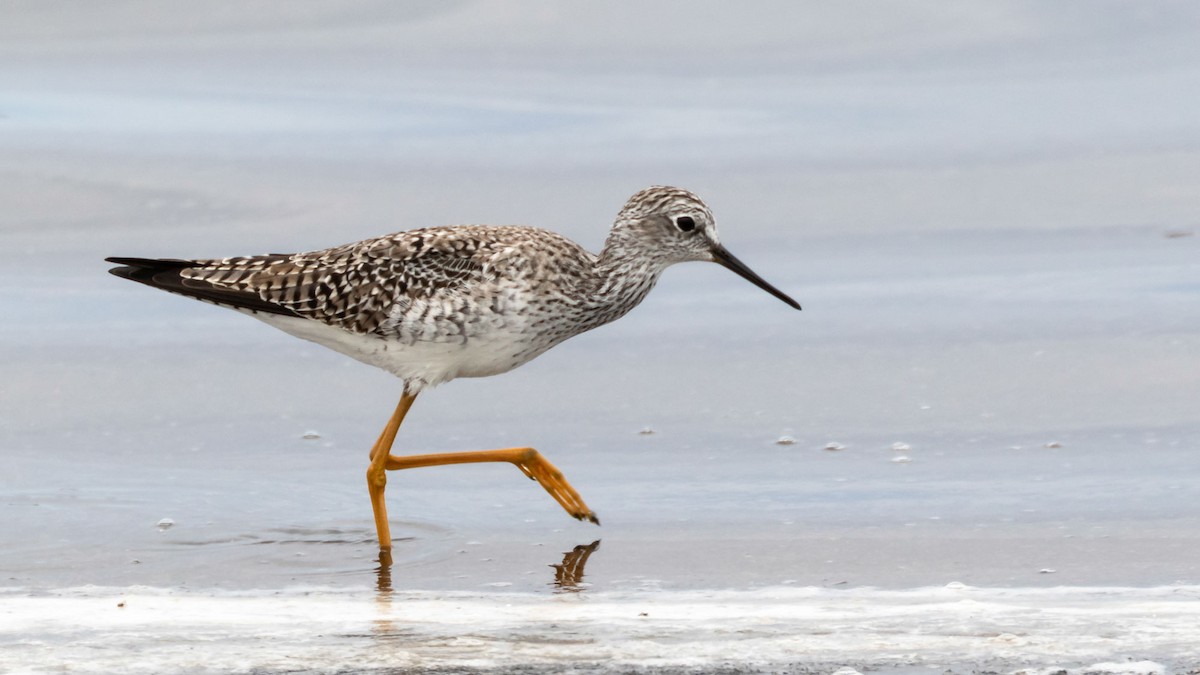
(440, 303)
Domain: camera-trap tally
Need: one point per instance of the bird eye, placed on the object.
(685, 223)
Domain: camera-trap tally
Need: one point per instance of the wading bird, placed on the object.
(435, 304)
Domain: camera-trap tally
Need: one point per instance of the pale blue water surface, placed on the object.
(993, 236)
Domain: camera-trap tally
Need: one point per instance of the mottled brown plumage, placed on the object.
(439, 303)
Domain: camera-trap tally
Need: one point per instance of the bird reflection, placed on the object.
(568, 575)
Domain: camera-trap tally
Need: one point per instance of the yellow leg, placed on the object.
(377, 476)
(528, 460)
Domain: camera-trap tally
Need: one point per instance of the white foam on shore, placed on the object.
(150, 630)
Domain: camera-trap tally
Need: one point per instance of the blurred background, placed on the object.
(987, 210)
(794, 118)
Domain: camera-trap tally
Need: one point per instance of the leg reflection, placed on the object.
(383, 574)
(568, 575)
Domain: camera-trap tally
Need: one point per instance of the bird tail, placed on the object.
(144, 270)
(167, 274)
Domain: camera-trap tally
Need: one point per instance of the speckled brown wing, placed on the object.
(353, 287)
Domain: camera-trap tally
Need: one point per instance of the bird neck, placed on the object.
(622, 276)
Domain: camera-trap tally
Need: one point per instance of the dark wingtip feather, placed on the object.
(143, 270)
(164, 274)
(150, 265)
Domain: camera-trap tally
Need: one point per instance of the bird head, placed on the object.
(673, 225)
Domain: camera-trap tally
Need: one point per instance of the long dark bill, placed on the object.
(727, 259)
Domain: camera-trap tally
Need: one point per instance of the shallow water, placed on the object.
(1023, 316)
(1044, 454)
